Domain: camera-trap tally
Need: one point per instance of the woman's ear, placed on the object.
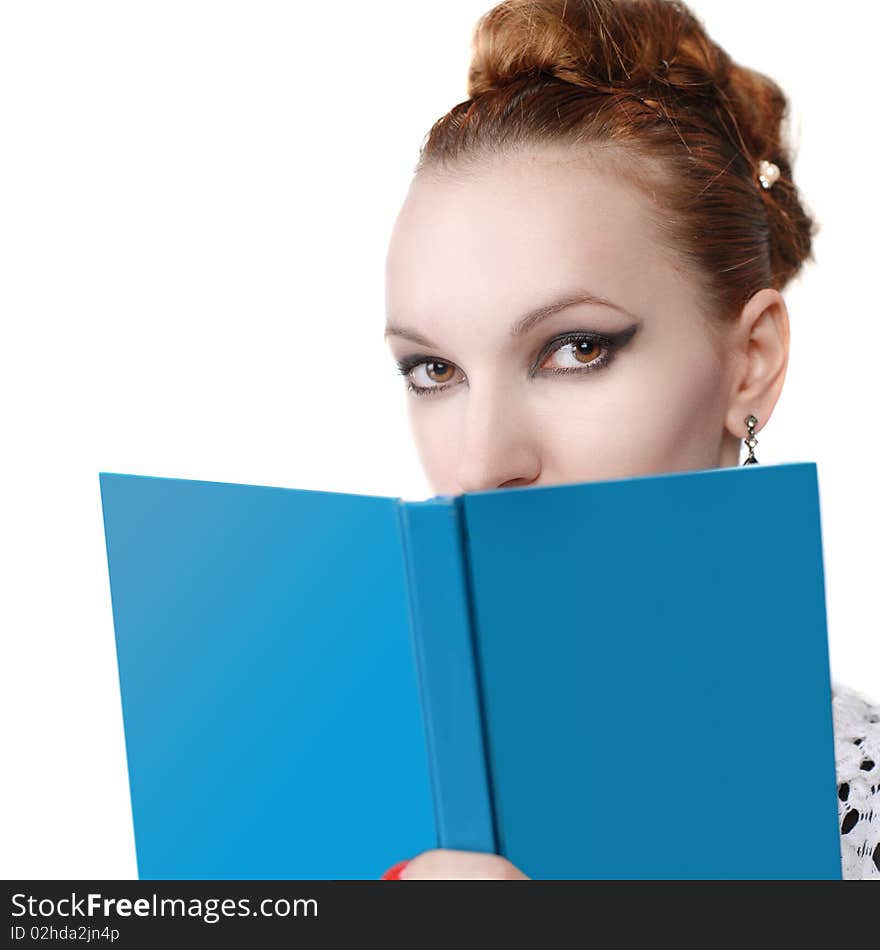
(760, 339)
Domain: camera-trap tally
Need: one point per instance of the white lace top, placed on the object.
(857, 757)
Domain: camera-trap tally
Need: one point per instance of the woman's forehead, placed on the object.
(517, 228)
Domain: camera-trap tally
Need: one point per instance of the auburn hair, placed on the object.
(641, 84)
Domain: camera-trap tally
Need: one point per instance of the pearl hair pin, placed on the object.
(768, 174)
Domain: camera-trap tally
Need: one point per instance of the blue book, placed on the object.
(605, 679)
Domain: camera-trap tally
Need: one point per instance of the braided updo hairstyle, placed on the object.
(639, 84)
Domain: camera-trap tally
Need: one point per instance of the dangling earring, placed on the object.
(751, 441)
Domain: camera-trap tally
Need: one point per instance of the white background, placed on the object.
(196, 200)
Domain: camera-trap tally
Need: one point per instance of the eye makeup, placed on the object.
(610, 343)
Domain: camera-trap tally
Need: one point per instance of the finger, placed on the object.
(450, 865)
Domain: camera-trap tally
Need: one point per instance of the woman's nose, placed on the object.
(487, 479)
(496, 449)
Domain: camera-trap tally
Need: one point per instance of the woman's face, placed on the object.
(484, 272)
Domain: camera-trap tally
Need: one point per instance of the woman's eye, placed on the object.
(436, 371)
(577, 353)
(425, 376)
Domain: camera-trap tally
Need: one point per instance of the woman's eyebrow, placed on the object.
(529, 320)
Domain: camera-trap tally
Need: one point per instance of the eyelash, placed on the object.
(609, 348)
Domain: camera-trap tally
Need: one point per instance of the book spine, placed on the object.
(440, 628)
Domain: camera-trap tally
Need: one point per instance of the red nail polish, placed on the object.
(393, 873)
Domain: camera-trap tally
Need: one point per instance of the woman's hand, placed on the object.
(444, 864)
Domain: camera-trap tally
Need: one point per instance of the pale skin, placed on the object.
(470, 255)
